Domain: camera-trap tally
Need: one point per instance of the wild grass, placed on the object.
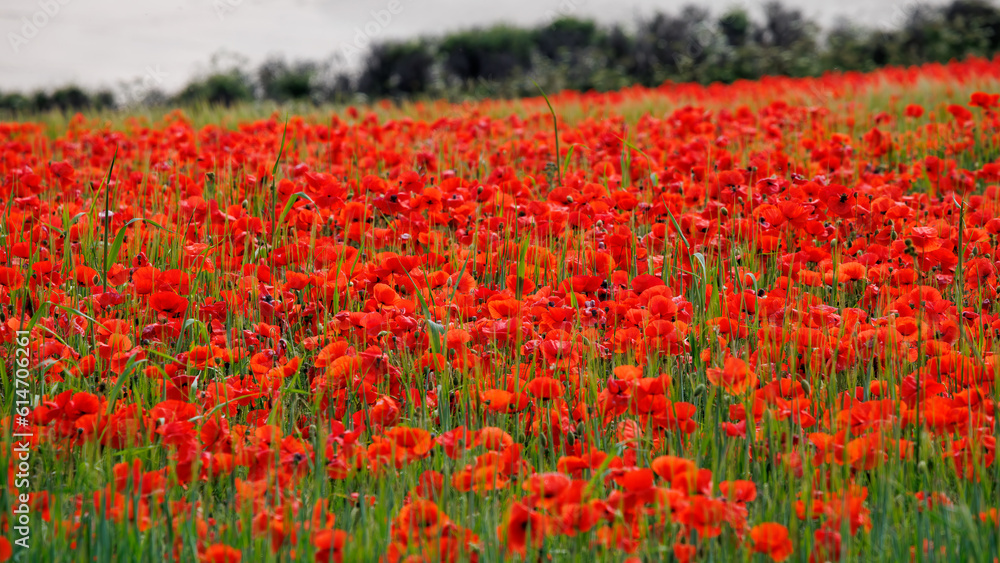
(188, 516)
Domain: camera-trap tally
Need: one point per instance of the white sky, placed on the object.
(104, 43)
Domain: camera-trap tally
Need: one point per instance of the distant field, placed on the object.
(750, 322)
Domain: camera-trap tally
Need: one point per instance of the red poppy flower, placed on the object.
(523, 526)
(220, 553)
(771, 539)
(914, 111)
(168, 303)
(740, 491)
(545, 388)
(735, 377)
(329, 545)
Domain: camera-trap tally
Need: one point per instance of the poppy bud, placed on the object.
(724, 212)
(806, 387)
(699, 390)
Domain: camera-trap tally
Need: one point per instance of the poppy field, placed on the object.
(746, 322)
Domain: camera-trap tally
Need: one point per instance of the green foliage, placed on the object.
(15, 103)
(282, 81)
(494, 53)
(566, 36)
(735, 26)
(222, 88)
(504, 61)
(66, 99)
(397, 69)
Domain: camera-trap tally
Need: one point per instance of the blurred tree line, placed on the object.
(579, 54)
(68, 98)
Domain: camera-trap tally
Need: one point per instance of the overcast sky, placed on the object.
(163, 43)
